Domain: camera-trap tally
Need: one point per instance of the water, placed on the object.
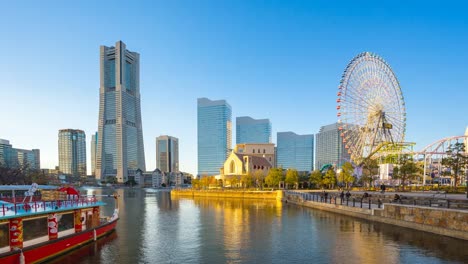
(154, 228)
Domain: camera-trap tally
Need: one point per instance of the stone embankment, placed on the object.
(267, 195)
(442, 221)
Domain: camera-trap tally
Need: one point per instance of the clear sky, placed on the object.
(281, 60)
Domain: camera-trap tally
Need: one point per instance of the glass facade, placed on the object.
(18, 158)
(330, 148)
(167, 154)
(295, 151)
(214, 121)
(120, 150)
(72, 152)
(249, 130)
(94, 140)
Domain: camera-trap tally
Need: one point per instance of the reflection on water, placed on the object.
(154, 228)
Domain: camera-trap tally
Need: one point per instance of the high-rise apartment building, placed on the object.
(249, 130)
(72, 152)
(295, 151)
(330, 148)
(214, 135)
(167, 154)
(19, 158)
(120, 150)
(94, 140)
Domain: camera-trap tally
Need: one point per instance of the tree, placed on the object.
(456, 161)
(406, 169)
(329, 178)
(370, 168)
(316, 178)
(275, 175)
(234, 180)
(292, 177)
(346, 174)
(258, 178)
(247, 180)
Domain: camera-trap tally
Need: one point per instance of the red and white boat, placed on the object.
(36, 228)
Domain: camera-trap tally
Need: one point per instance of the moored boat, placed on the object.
(37, 228)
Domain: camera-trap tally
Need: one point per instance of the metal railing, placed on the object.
(9, 209)
(331, 198)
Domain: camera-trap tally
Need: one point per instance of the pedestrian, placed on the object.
(348, 195)
(342, 195)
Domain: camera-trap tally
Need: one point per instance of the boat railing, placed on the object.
(9, 209)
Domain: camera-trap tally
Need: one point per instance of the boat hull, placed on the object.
(53, 248)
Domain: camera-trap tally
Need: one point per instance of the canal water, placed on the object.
(153, 228)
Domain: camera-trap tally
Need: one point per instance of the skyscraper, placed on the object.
(72, 152)
(214, 135)
(120, 150)
(295, 151)
(94, 140)
(167, 154)
(249, 130)
(329, 147)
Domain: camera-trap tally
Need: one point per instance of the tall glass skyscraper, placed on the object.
(249, 130)
(295, 151)
(72, 152)
(330, 148)
(214, 135)
(167, 154)
(120, 149)
(94, 140)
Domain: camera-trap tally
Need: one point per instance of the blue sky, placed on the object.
(280, 60)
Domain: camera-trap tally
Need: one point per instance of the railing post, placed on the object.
(370, 202)
(361, 201)
(335, 199)
(379, 203)
(448, 203)
(354, 202)
(430, 203)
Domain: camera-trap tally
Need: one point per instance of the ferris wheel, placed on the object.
(371, 110)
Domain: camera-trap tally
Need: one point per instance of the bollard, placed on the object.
(370, 203)
(361, 201)
(448, 203)
(354, 202)
(379, 203)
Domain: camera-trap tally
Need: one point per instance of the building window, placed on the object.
(263, 150)
(232, 167)
(254, 151)
(258, 150)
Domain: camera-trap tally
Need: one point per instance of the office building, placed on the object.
(330, 148)
(120, 150)
(72, 152)
(167, 154)
(249, 130)
(19, 158)
(295, 151)
(214, 135)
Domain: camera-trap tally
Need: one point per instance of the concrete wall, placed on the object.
(447, 222)
(270, 195)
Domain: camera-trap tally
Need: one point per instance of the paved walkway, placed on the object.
(428, 194)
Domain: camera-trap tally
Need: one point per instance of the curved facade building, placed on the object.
(120, 150)
(214, 135)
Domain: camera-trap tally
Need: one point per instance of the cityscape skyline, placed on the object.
(284, 58)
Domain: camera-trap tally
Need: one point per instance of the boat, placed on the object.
(48, 222)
